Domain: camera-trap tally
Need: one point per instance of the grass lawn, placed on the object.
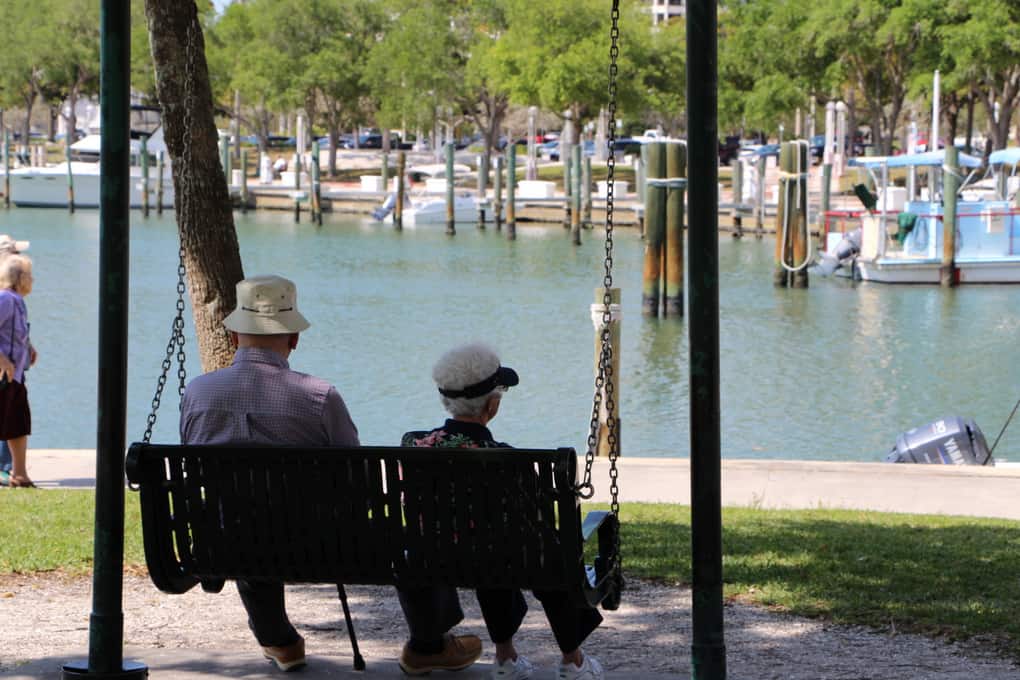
(951, 576)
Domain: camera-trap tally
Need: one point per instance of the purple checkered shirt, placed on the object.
(259, 400)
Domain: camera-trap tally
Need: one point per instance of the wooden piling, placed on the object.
(791, 217)
(737, 195)
(823, 226)
(565, 158)
(801, 231)
(613, 372)
(316, 194)
(244, 179)
(949, 275)
(759, 198)
(676, 192)
(6, 169)
(70, 176)
(497, 193)
(586, 193)
(575, 194)
(384, 171)
(450, 214)
(511, 192)
(483, 187)
(297, 187)
(655, 229)
(398, 208)
(143, 150)
(159, 183)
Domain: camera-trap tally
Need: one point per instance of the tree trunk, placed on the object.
(205, 220)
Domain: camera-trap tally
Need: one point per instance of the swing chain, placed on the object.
(176, 342)
(603, 379)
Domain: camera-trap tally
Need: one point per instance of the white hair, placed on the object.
(13, 269)
(463, 366)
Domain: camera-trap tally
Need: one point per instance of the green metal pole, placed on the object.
(144, 151)
(450, 214)
(70, 176)
(511, 192)
(708, 651)
(949, 275)
(106, 624)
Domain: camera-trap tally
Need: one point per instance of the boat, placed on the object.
(899, 238)
(47, 187)
(425, 209)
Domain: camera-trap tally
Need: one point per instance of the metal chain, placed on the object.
(603, 379)
(176, 343)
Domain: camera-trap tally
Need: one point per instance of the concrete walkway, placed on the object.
(923, 489)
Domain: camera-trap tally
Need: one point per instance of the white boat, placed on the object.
(425, 209)
(47, 187)
(885, 249)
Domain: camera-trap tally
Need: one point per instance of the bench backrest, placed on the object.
(372, 515)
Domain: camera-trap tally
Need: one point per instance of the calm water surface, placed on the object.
(834, 372)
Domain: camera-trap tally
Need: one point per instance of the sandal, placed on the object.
(22, 483)
(5, 478)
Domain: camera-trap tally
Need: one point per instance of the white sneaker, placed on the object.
(590, 669)
(519, 669)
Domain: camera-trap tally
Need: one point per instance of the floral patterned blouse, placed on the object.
(454, 434)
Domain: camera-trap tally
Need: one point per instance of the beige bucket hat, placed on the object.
(266, 305)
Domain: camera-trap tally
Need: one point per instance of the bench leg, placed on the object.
(359, 661)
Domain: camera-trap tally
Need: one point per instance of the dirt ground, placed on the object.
(46, 615)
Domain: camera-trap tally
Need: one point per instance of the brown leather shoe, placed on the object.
(287, 658)
(459, 652)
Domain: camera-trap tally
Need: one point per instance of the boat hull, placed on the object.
(47, 187)
(433, 211)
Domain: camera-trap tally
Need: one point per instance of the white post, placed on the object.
(602, 136)
(840, 156)
(830, 131)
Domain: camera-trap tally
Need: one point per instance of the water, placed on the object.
(834, 372)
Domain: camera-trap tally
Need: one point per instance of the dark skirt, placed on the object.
(15, 416)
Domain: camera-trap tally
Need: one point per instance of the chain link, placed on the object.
(604, 377)
(176, 342)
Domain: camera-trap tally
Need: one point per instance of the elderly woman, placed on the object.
(16, 355)
(471, 385)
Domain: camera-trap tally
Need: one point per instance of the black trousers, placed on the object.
(267, 615)
(504, 610)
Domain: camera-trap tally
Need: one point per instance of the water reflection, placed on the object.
(832, 372)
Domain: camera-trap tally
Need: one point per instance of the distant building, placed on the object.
(664, 10)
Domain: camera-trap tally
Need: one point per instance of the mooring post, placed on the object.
(384, 171)
(823, 228)
(511, 192)
(641, 173)
(676, 190)
(7, 169)
(759, 197)
(575, 194)
(567, 164)
(483, 187)
(586, 193)
(949, 275)
(708, 651)
(785, 217)
(497, 193)
(143, 150)
(799, 225)
(159, 183)
(316, 196)
(70, 176)
(597, 319)
(297, 187)
(737, 184)
(655, 227)
(450, 214)
(398, 208)
(106, 623)
(244, 180)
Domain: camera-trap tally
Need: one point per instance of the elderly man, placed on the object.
(9, 246)
(260, 400)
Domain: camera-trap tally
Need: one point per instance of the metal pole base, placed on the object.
(130, 670)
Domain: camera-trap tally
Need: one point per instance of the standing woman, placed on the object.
(16, 355)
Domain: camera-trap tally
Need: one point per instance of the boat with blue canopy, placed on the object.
(899, 239)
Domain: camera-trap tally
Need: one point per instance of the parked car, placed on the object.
(551, 150)
(729, 149)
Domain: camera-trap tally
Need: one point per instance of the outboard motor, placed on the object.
(386, 208)
(844, 250)
(948, 441)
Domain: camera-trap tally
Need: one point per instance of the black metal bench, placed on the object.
(471, 518)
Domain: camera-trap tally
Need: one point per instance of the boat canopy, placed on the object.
(928, 158)
(1010, 156)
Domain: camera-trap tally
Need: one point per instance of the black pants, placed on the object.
(504, 610)
(430, 612)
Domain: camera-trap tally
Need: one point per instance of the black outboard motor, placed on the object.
(947, 441)
(845, 250)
